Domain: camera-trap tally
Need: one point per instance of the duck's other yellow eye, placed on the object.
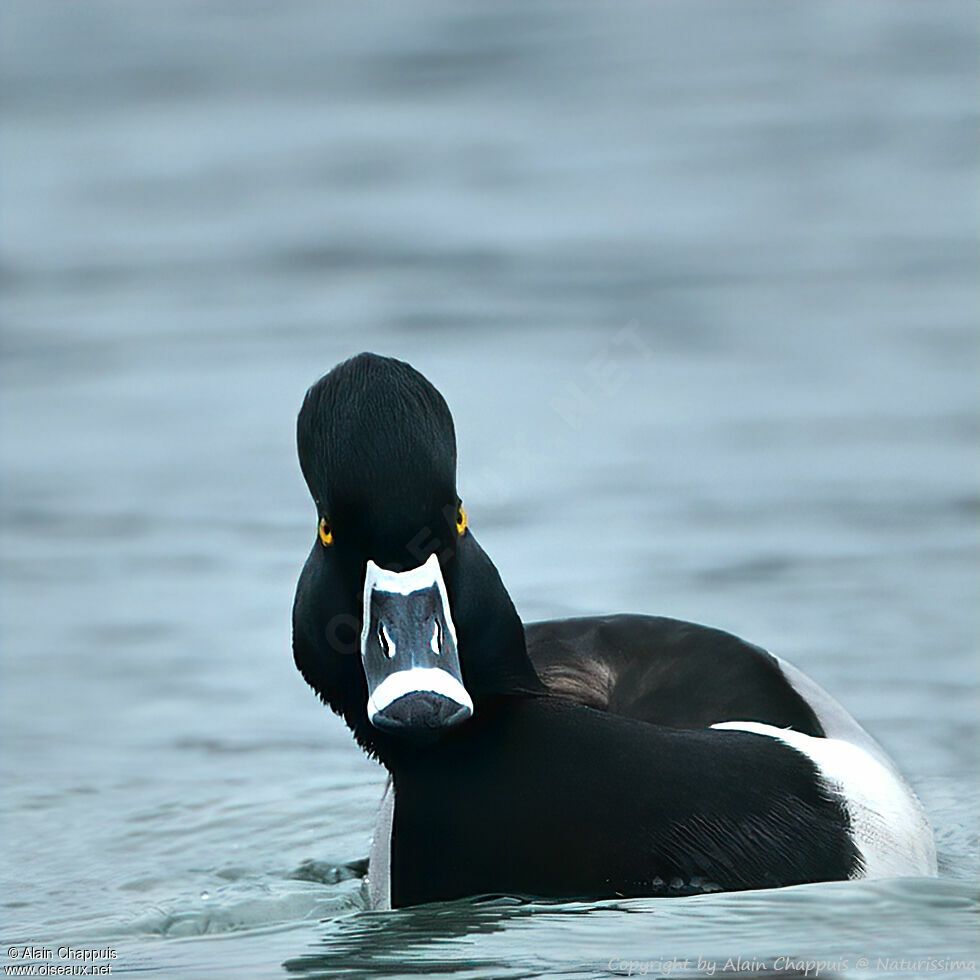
(460, 520)
(326, 533)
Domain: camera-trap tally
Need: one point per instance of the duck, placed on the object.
(593, 757)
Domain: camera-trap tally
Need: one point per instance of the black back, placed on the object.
(665, 671)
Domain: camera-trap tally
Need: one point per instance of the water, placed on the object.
(698, 282)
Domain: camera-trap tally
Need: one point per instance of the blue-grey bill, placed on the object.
(408, 649)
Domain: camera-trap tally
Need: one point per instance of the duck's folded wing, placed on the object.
(666, 672)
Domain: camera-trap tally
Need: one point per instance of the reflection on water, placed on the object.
(504, 937)
(698, 284)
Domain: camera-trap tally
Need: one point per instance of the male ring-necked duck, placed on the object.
(593, 757)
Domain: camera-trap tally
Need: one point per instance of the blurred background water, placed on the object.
(698, 281)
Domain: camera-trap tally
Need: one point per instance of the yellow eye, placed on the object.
(326, 533)
(460, 520)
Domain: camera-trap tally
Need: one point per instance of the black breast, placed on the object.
(543, 797)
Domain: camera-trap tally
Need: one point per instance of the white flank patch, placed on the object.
(888, 825)
(431, 680)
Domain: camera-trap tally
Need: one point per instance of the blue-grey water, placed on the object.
(698, 281)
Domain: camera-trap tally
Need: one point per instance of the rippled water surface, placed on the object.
(698, 281)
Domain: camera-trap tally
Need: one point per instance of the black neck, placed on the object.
(326, 628)
(493, 653)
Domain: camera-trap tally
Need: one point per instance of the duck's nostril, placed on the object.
(385, 641)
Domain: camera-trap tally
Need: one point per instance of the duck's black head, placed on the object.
(401, 623)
